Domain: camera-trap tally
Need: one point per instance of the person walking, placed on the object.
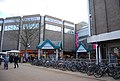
(11, 58)
(6, 60)
(16, 59)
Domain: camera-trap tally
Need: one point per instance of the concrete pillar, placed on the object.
(97, 54)
(100, 58)
(39, 53)
(61, 54)
(76, 55)
(89, 55)
(56, 54)
(19, 36)
(109, 54)
(2, 35)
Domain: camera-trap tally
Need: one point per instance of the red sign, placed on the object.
(94, 46)
(76, 40)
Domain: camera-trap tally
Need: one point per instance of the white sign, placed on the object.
(81, 49)
(47, 46)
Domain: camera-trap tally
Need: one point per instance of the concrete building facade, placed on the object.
(104, 16)
(49, 27)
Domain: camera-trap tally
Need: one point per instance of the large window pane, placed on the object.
(53, 28)
(11, 27)
(69, 31)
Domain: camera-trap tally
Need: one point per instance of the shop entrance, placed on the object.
(115, 54)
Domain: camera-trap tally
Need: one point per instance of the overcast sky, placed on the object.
(71, 10)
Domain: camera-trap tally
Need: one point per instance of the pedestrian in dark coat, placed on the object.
(16, 58)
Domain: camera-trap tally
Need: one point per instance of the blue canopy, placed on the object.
(49, 45)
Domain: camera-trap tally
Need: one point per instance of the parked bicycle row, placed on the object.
(88, 67)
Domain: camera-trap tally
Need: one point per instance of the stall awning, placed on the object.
(13, 51)
(47, 44)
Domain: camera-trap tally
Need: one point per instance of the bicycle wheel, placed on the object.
(73, 68)
(89, 73)
(98, 73)
(116, 75)
(110, 72)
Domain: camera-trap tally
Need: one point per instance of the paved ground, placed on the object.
(27, 72)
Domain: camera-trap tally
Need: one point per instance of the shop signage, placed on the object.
(76, 40)
(47, 46)
(81, 49)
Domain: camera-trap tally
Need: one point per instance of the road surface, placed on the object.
(27, 72)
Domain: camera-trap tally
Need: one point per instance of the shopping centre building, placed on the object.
(105, 28)
(55, 37)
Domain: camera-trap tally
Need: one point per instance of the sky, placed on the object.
(72, 10)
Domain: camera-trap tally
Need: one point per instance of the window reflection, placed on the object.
(11, 27)
(53, 28)
(69, 31)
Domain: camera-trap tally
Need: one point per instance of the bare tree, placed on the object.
(25, 31)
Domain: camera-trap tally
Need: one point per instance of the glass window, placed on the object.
(53, 28)
(31, 19)
(1, 22)
(69, 28)
(12, 20)
(11, 27)
(31, 26)
(69, 25)
(69, 31)
(53, 20)
(114, 54)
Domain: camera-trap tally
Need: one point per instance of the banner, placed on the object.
(76, 40)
